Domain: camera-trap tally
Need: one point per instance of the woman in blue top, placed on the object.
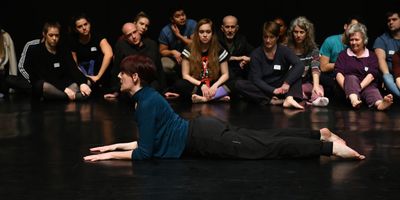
(164, 134)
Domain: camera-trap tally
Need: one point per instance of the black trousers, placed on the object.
(249, 90)
(211, 137)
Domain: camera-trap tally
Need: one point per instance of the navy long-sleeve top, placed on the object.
(269, 74)
(162, 132)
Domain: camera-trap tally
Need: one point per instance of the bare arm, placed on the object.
(380, 53)
(326, 66)
(340, 79)
(108, 54)
(186, 73)
(366, 81)
(117, 155)
(316, 88)
(224, 75)
(109, 152)
(118, 146)
(164, 51)
(243, 60)
(398, 82)
(75, 57)
(182, 38)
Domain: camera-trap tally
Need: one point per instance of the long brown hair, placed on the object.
(309, 42)
(213, 50)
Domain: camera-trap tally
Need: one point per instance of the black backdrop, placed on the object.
(24, 19)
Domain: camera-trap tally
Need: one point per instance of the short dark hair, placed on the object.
(271, 27)
(51, 24)
(392, 12)
(175, 8)
(140, 64)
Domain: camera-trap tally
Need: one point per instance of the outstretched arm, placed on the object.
(109, 152)
(118, 155)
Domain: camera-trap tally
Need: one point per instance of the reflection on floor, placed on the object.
(41, 150)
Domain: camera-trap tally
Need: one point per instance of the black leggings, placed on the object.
(211, 137)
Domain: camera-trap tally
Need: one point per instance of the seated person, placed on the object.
(172, 39)
(53, 73)
(330, 49)
(239, 51)
(91, 52)
(8, 61)
(275, 72)
(385, 46)
(301, 41)
(204, 67)
(357, 71)
(131, 44)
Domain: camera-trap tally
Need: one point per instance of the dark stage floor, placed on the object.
(41, 154)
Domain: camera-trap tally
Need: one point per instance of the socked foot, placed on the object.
(291, 103)
(327, 135)
(321, 101)
(344, 151)
(385, 103)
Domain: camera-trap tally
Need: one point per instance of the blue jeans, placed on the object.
(391, 85)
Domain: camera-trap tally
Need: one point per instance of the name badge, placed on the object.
(93, 49)
(56, 65)
(391, 52)
(277, 67)
(366, 69)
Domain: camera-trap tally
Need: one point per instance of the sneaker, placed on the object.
(321, 101)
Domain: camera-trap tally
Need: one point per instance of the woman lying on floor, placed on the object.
(167, 135)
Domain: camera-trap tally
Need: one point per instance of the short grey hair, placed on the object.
(357, 27)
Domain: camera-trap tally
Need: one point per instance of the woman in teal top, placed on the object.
(164, 134)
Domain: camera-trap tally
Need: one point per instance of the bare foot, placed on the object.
(111, 95)
(355, 101)
(70, 93)
(343, 151)
(171, 95)
(328, 135)
(198, 99)
(385, 103)
(291, 103)
(276, 101)
(225, 99)
(291, 112)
